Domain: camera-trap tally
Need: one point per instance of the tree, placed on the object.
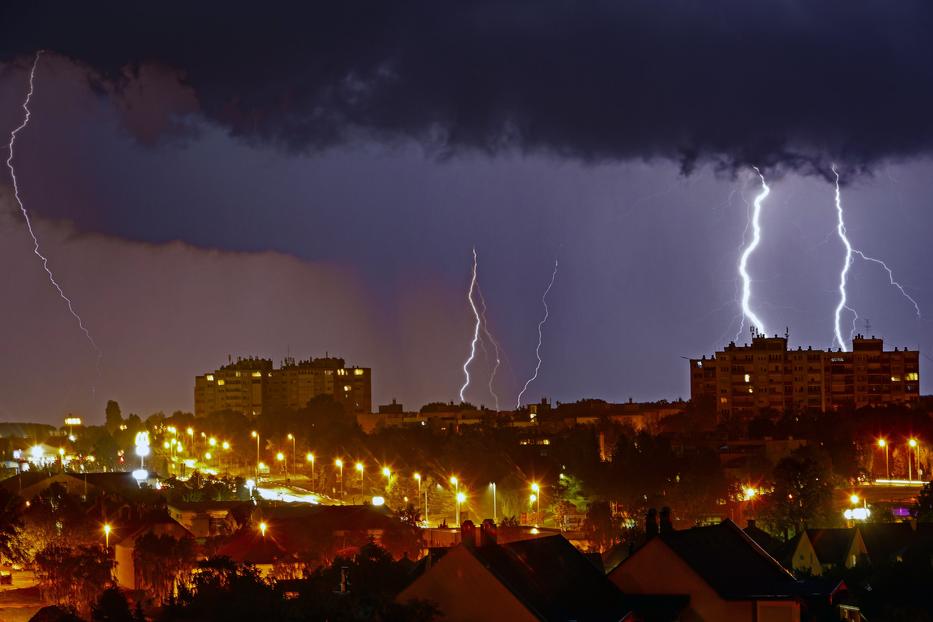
(802, 494)
(599, 526)
(160, 561)
(74, 576)
(113, 417)
(112, 606)
(923, 509)
(11, 524)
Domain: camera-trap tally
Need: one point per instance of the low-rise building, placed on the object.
(722, 571)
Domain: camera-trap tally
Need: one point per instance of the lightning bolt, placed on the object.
(466, 364)
(495, 345)
(22, 207)
(843, 274)
(540, 326)
(747, 312)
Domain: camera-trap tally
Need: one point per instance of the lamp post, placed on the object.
(339, 464)
(494, 517)
(291, 437)
(107, 530)
(255, 435)
(309, 457)
(387, 473)
(359, 467)
(536, 499)
(460, 499)
(417, 477)
(911, 444)
(883, 444)
(280, 457)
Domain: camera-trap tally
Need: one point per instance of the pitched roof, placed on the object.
(249, 545)
(553, 579)
(831, 545)
(731, 562)
(885, 541)
(762, 538)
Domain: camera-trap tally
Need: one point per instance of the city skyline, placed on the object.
(148, 234)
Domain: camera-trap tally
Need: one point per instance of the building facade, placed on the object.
(747, 380)
(252, 385)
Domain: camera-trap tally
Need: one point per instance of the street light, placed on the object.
(359, 467)
(280, 457)
(493, 486)
(339, 464)
(417, 477)
(387, 472)
(309, 457)
(107, 530)
(460, 499)
(291, 437)
(536, 499)
(883, 444)
(262, 528)
(854, 499)
(912, 444)
(255, 435)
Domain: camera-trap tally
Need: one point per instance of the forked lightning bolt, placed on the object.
(495, 345)
(466, 364)
(540, 327)
(847, 263)
(843, 274)
(22, 207)
(747, 312)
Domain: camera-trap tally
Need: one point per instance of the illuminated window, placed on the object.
(748, 377)
(257, 374)
(895, 378)
(221, 383)
(699, 363)
(751, 390)
(210, 377)
(341, 372)
(346, 388)
(913, 376)
(358, 372)
(237, 374)
(724, 400)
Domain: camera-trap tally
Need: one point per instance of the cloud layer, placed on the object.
(778, 83)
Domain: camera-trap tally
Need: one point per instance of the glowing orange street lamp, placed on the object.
(262, 528)
(883, 444)
(107, 530)
(911, 444)
(339, 464)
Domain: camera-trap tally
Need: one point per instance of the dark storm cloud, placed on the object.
(778, 84)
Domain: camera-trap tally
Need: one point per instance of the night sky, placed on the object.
(245, 178)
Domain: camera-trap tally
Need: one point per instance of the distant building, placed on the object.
(250, 385)
(748, 379)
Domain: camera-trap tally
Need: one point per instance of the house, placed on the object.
(252, 545)
(207, 518)
(814, 551)
(887, 542)
(126, 574)
(725, 574)
(521, 581)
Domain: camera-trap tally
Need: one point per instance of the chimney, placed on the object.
(666, 525)
(651, 524)
(468, 534)
(487, 533)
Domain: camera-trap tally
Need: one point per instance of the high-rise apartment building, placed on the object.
(252, 385)
(749, 379)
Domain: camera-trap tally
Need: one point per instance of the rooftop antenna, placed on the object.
(787, 332)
